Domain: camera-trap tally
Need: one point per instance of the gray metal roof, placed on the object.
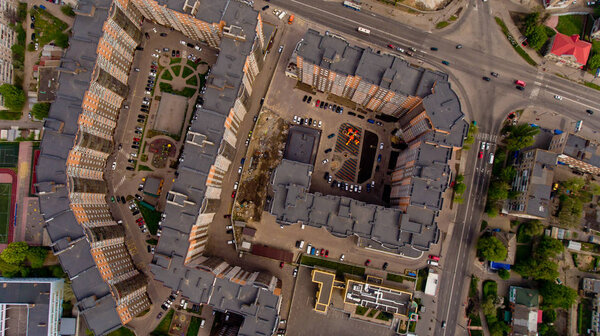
(582, 149)
(343, 216)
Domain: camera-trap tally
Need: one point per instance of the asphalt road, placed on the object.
(488, 103)
(470, 63)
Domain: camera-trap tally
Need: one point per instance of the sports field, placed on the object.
(5, 193)
(9, 154)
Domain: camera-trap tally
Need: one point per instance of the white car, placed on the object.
(320, 123)
(155, 55)
(381, 145)
(197, 47)
(280, 49)
(296, 119)
(230, 242)
(235, 185)
(557, 97)
(325, 161)
(152, 74)
(482, 145)
(342, 257)
(487, 146)
(228, 227)
(240, 170)
(114, 165)
(182, 42)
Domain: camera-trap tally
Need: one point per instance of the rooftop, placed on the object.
(524, 296)
(582, 149)
(571, 46)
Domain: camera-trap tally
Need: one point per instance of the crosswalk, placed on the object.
(537, 85)
(487, 137)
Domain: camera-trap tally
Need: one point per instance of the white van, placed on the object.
(433, 262)
(491, 158)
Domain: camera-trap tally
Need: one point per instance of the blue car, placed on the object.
(370, 121)
(312, 251)
(379, 158)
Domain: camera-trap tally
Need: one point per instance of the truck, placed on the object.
(364, 30)
(281, 15)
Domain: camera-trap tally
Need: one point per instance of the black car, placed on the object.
(189, 45)
(434, 48)
(136, 212)
(32, 26)
(326, 105)
(141, 121)
(123, 199)
(385, 266)
(148, 248)
(129, 168)
(131, 160)
(33, 18)
(305, 98)
(163, 34)
(265, 7)
(360, 116)
(172, 53)
(141, 116)
(351, 113)
(309, 99)
(144, 110)
(32, 36)
(338, 109)
(328, 150)
(519, 87)
(138, 197)
(135, 146)
(333, 107)
(309, 121)
(322, 104)
(590, 112)
(487, 79)
(326, 176)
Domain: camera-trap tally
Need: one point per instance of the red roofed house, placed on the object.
(569, 50)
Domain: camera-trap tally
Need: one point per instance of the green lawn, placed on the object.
(523, 252)
(194, 326)
(490, 288)
(175, 60)
(194, 65)
(166, 75)
(163, 327)
(595, 47)
(584, 316)
(338, 267)
(151, 217)
(186, 92)
(5, 190)
(122, 332)
(422, 280)
(514, 43)
(570, 24)
(442, 24)
(192, 80)
(360, 310)
(399, 278)
(187, 71)
(49, 28)
(176, 70)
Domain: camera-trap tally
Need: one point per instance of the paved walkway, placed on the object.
(24, 176)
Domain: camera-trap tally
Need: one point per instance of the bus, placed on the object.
(352, 5)
(364, 30)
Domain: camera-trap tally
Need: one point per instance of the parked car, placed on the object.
(368, 262)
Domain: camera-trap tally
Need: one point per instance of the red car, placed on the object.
(368, 262)
(323, 252)
(136, 139)
(281, 264)
(326, 253)
(233, 194)
(434, 257)
(317, 103)
(227, 216)
(391, 46)
(481, 154)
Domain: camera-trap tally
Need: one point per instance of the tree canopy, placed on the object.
(491, 248)
(557, 296)
(548, 247)
(13, 260)
(15, 253)
(14, 97)
(520, 136)
(594, 61)
(540, 269)
(532, 228)
(40, 110)
(504, 274)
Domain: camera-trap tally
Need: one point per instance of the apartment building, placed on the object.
(31, 306)
(533, 181)
(577, 152)
(8, 10)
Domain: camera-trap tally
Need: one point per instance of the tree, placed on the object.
(504, 274)
(459, 178)
(507, 174)
(14, 97)
(594, 61)
(537, 38)
(549, 316)
(531, 22)
(498, 328)
(40, 110)
(538, 269)
(532, 228)
(459, 188)
(67, 10)
(521, 136)
(557, 296)
(498, 191)
(488, 306)
(491, 248)
(548, 248)
(15, 253)
(36, 256)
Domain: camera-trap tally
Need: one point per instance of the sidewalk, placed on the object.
(425, 20)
